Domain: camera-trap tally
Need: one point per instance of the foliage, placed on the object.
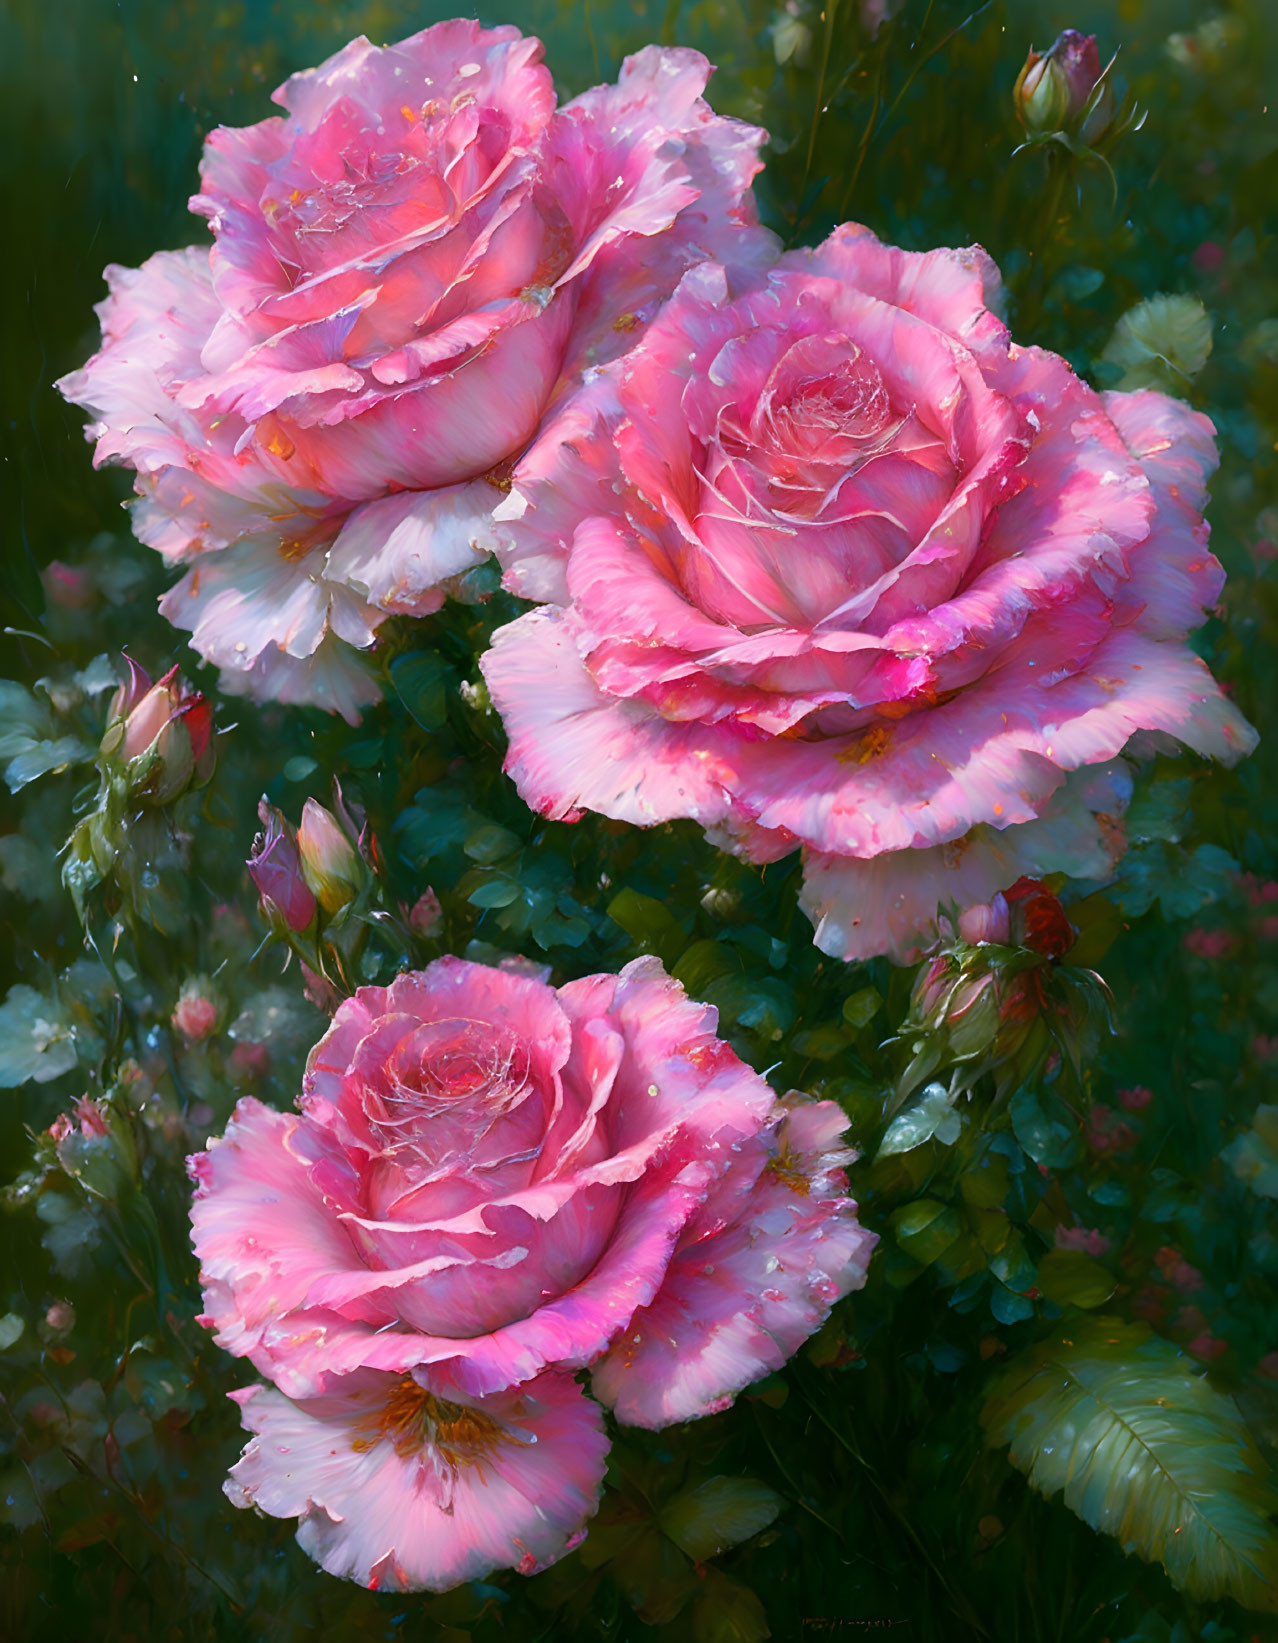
(1145, 1450)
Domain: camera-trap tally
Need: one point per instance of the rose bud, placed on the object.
(1041, 94)
(161, 733)
(195, 1014)
(1054, 91)
(1038, 920)
(331, 865)
(276, 869)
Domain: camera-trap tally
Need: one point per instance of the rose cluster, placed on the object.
(491, 1184)
(827, 561)
(822, 560)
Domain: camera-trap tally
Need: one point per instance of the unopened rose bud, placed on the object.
(1057, 90)
(331, 864)
(1038, 920)
(276, 869)
(1041, 94)
(987, 922)
(161, 734)
(195, 1014)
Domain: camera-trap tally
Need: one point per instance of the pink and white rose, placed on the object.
(407, 267)
(492, 1183)
(828, 562)
(490, 1178)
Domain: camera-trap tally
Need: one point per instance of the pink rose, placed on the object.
(493, 1183)
(829, 562)
(405, 267)
(489, 1177)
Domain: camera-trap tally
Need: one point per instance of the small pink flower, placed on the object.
(60, 1317)
(1190, 1319)
(196, 1012)
(1267, 928)
(1268, 1366)
(987, 922)
(408, 266)
(402, 1489)
(161, 734)
(490, 1177)
(61, 1127)
(1207, 1346)
(1177, 1271)
(1089, 1240)
(1212, 944)
(1107, 1133)
(1208, 257)
(1265, 1047)
(826, 563)
(1135, 1099)
(427, 916)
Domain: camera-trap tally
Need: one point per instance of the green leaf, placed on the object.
(420, 681)
(860, 1008)
(37, 1040)
(1007, 1306)
(727, 1612)
(932, 1115)
(491, 843)
(1253, 1157)
(494, 893)
(1070, 1278)
(926, 1228)
(1145, 1450)
(1046, 1141)
(648, 923)
(719, 1513)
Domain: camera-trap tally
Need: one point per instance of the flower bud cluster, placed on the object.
(159, 745)
(159, 737)
(995, 997)
(317, 885)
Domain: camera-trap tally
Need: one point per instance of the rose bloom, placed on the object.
(829, 562)
(406, 264)
(492, 1183)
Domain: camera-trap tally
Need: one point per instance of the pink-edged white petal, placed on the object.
(237, 603)
(862, 906)
(333, 677)
(399, 551)
(401, 1490)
